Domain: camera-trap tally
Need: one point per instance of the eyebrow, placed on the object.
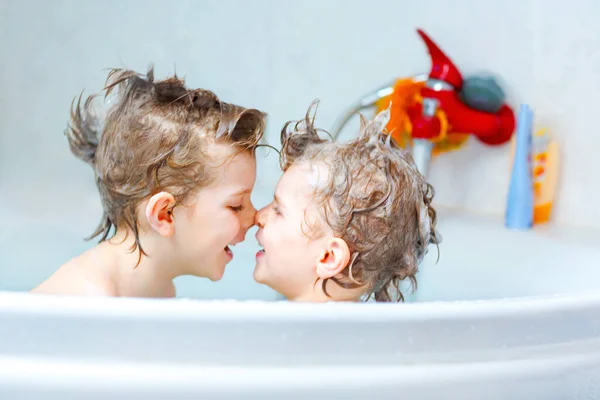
(240, 192)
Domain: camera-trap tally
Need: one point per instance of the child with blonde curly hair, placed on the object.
(175, 168)
(348, 221)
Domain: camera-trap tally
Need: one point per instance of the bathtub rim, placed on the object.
(22, 302)
(118, 330)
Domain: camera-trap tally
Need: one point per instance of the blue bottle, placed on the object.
(519, 207)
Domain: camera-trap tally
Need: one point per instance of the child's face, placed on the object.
(288, 262)
(219, 219)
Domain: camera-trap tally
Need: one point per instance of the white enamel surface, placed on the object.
(60, 348)
(480, 259)
(539, 337)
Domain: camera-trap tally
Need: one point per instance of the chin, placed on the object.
(212, 272)
(215, 278)
(217, 275)
(259, 274)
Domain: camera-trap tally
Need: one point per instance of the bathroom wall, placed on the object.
(278, 56)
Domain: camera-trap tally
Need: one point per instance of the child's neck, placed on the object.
(152, 277)
(333, 294)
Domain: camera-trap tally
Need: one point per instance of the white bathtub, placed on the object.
(535, 336)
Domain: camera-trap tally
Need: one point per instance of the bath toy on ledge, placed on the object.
(545, 160)
(437, 112)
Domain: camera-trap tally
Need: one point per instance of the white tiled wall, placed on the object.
(279, 56)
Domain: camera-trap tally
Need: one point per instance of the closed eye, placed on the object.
(237, 208)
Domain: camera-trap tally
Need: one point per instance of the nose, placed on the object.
(247, 221)
(249, 218)
(261, 217)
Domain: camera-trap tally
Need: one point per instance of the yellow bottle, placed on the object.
(544, 161)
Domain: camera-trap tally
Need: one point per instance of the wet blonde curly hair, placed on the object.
(374, 199)
(156, 136)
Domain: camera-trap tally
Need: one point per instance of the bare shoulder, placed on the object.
(73, 278)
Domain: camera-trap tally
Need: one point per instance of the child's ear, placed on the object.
(333, 259)
(159, 213)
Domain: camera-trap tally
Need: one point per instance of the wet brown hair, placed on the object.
(374, 199)
(156, 137)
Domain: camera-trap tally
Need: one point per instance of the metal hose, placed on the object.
(368, 101)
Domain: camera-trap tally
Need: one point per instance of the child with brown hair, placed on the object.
(175, 168)
(348, 220)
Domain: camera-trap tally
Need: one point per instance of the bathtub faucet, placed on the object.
(444, 105)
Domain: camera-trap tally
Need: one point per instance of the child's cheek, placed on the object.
(233, 225)
(273, 234)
